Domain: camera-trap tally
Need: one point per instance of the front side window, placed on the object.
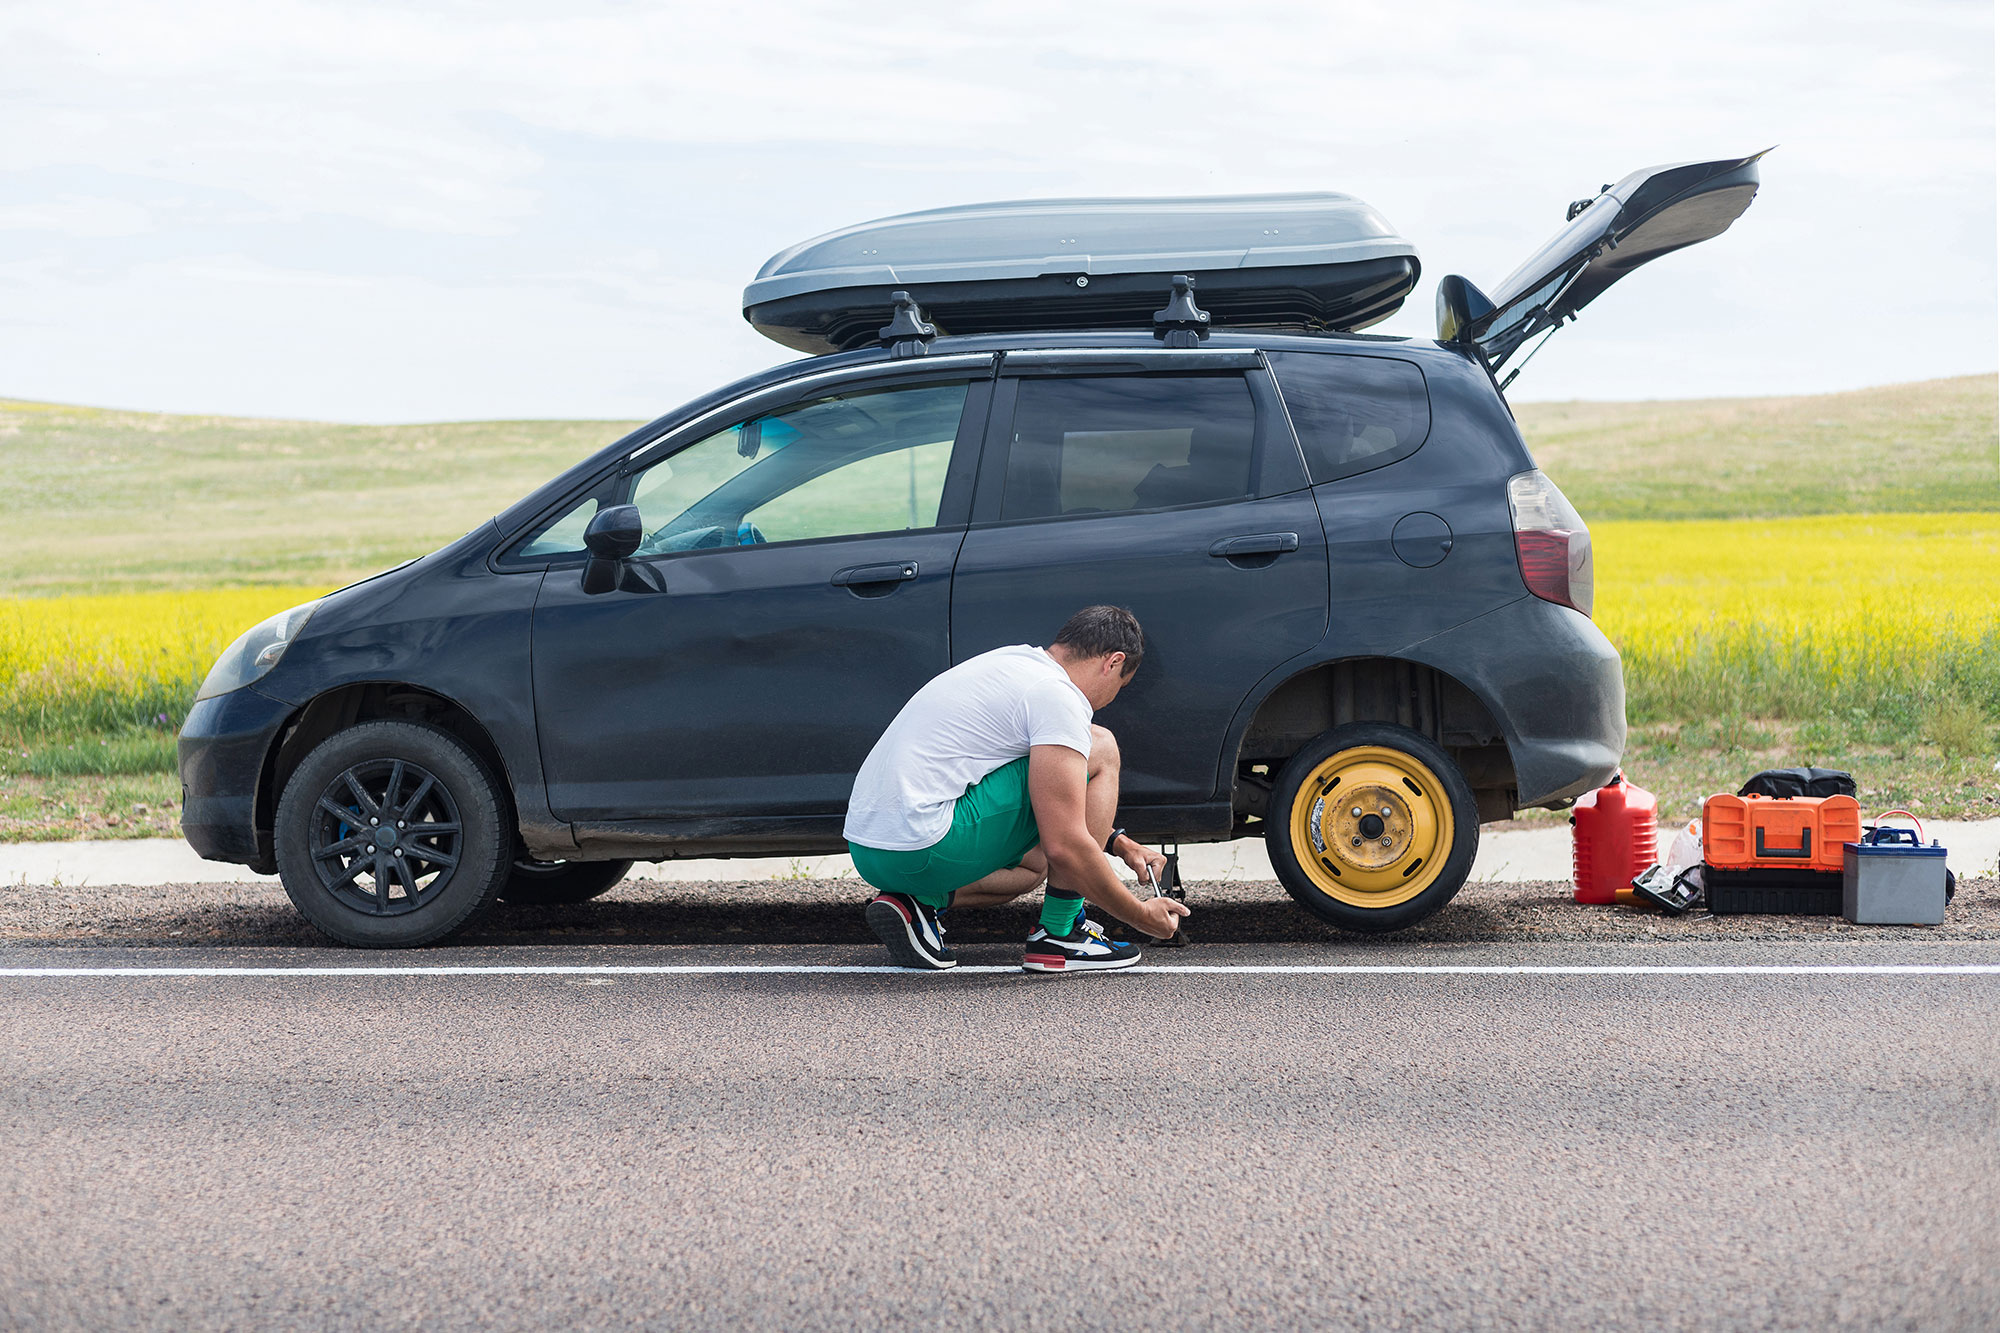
(844, 465)
(1352, 413)
(565, 535)
(1113, 443)
(852, 463)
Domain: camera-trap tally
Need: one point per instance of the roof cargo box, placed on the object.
(1290, 261)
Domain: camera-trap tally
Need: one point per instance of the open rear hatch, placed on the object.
(1298, 261)
(1648, 214)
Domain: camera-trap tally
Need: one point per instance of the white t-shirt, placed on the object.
(980, 715)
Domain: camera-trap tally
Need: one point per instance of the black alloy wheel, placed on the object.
(392, 834)
(385, 837)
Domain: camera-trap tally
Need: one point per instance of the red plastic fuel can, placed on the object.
(1616, 837)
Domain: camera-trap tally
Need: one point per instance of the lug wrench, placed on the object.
(1170, 887)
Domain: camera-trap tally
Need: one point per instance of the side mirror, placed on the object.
(612, 536)
(1459, 306)
(615, 533)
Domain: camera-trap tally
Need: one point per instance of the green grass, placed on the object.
(59, 809)
(1894, 766)
(92, 755)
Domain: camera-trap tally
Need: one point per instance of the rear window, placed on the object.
(1352, 413)
(1108, 444)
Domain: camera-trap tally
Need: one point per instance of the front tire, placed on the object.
(558, 883)
(392, 835)
(1372, 827)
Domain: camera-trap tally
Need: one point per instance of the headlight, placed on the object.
(252, 656)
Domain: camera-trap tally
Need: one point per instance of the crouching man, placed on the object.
(992, 782)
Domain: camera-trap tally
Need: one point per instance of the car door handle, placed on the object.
(860, 574)
(1257, 543)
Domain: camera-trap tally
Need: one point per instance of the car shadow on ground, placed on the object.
(770, 912)
(794, 912)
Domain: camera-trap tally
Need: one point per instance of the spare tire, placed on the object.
(1372, 827)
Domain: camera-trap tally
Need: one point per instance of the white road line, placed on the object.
(1248, 969)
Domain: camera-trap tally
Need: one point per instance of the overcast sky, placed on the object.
(416, 212)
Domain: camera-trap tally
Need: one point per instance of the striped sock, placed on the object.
(1061, 910)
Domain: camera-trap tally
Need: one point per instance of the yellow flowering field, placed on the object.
(1788, 618)
(1797, 617)
(122, 660)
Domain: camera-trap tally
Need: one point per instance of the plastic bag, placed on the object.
(1684, 856)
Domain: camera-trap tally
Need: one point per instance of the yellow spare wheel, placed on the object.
(1377, 828)
(1370, 818)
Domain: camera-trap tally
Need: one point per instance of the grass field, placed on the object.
(1903, 448)
(1789, 580)
(102, 501)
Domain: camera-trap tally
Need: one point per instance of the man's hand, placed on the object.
(1058, 779)
(1160, 917)
(1140, 859)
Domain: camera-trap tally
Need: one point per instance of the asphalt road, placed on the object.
(1185, 1149)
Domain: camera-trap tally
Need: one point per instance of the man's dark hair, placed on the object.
(1098, 630)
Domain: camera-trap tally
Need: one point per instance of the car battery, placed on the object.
(1776, 854)
(1889, 878)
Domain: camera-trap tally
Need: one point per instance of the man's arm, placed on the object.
(1058, 778)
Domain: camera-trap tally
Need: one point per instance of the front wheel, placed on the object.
(1372, 827)
(553, 883)
(391, 835)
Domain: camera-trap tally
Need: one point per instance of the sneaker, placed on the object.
(911, 932)
(1085, 949)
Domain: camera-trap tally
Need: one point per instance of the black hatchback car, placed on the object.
(1368, 614)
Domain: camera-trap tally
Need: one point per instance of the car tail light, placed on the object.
(1552, 542)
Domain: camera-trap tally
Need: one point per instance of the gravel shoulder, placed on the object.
(820, 911)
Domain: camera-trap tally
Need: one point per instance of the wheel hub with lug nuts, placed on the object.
(1369, 826)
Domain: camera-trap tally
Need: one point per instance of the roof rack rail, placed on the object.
(1182, 323)
(907, 333)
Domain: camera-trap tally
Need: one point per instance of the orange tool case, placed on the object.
(1778, 832)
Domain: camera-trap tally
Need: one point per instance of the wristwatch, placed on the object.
(1111, 843)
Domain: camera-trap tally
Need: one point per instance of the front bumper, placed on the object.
(1555, 686)
(223, 746)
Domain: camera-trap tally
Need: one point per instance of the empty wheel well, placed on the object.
(1373, 689)
(338, 709)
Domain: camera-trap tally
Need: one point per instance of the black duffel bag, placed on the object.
(1799, 782)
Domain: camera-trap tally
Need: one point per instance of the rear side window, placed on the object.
(1352, 413)
(1116, 443)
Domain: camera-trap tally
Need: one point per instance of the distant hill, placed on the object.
(1923, 448)
(98, 500)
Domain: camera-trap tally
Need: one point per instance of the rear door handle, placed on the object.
(1256, 543)
(859, 574)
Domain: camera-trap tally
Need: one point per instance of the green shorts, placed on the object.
(992, 828)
